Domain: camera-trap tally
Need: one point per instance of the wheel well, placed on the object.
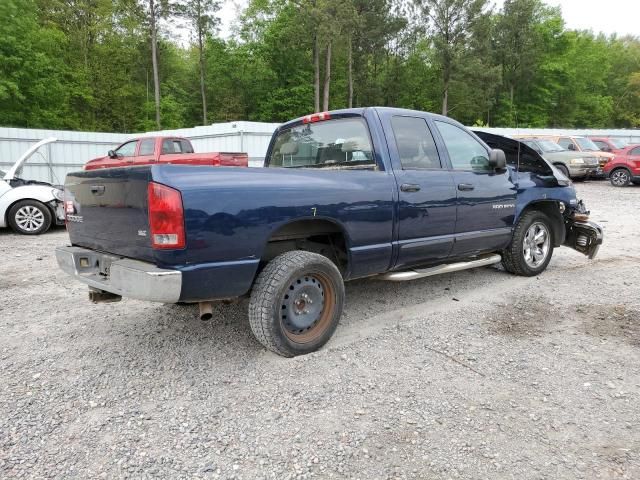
(318, 236)
(552, 211)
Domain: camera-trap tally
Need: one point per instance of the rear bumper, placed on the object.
(121, 276)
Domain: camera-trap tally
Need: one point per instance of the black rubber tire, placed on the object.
(564, 170)
(513, 259)
(269, 290)
(46, 224)
(624, 175)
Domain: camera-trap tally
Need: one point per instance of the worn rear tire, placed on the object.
(296, 303)
(515, 259)
(29, 217)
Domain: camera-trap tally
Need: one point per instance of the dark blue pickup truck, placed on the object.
(383, 192)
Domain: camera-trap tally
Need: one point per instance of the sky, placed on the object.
(610, 16)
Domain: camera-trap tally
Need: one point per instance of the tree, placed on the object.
(450, 24)
(202, 16)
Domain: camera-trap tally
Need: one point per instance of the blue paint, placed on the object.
(230, 213)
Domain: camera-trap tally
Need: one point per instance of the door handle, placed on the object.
(466, 187)
(410, 187)
(97, 189)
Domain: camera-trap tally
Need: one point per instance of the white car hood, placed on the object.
(16, 166)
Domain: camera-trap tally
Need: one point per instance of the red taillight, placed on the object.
(166, 217)
(316, 117)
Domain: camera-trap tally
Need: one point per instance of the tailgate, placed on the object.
(107, 211)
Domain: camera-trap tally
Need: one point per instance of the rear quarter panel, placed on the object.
(230, 213)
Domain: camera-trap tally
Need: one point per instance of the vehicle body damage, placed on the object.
(582, 235)
(29, 207)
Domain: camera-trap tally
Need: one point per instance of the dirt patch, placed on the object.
(606, 321)
(525, 317)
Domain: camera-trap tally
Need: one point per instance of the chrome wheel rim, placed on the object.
(29, 218)
(619, 178)
(536, 245)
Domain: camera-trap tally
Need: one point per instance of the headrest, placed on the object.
(355, 144)
(289, 148)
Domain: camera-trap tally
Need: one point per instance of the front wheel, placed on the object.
(30, 217)
(531, 246)
(296, 303)
(620, 178)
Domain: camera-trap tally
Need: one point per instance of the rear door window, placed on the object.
(147, 146)
(172, 145)
(416, 146)
(339, 143)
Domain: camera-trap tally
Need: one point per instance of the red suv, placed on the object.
(608, 144)
(624, 168)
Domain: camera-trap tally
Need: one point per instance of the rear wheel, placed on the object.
(620, 177)
(296, 303)
(30, 217)
(531, 247)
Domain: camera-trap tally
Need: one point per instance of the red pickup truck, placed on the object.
(149, 150)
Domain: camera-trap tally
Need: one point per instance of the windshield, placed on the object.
(548, 146)
(618, 142)
(340, 143)
(586, 145)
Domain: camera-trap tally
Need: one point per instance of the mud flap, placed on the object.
(584, 237)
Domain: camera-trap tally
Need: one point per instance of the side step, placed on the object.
(446, 268)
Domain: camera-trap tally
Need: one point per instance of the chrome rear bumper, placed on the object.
(121, 276)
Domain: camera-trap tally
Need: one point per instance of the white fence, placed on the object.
(73, 149)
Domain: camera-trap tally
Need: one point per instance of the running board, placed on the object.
(446, 268)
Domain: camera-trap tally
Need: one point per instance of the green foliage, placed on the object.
(86, 64)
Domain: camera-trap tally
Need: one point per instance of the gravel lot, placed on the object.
(477, 374)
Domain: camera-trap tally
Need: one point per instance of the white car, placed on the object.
(29, 207)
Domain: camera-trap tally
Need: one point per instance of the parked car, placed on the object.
(361, 192)
(610, 145)
(29, 207)
(624, 169)
(575, 165)
(176, 150)
(581, 144)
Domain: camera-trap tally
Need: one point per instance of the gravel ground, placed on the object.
(477, 374)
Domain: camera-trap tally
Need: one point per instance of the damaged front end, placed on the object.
(581, 234)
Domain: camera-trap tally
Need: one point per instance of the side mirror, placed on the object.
(112, 154)
(571, 146)
(497, 159)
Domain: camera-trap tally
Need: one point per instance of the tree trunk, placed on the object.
(202, 82)
(445, 100)
(316, 74)
(350, 72)
(327, 79)
(154, 59)
(446, 78)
